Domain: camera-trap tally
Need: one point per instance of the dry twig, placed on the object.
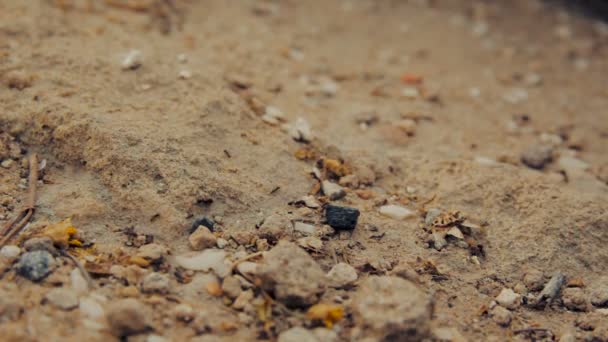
(14, 226)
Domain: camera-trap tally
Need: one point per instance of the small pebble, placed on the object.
(455, 233)
(132, 60)
(184, 312)
(64, 299)
(341, 218)
(202, 238)
(35, 265)
(273, 115)
(297, 334)
(537, 156)
(332, 190)
(396, 212)
(7, 163)
(431, 214)
(182, 58)
(534, 280)
(439, 241)
(185, 74)
(221, 243)
(202, 221)
(78, 282)
(207, 260)
(501, 316)
(410, 93)
(90, 307)
(301, 131)
(509, 299)
(574, 299)
(243, 300)
(155, 283)
(231, 286)
(152, 252)
(342, 275)
(305, 228)
(10, 252)
(311, 243)
(43, 243)
(571, 165)
(156, 338)
(127, 317)
(515, 96)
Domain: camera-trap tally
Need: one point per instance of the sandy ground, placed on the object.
(429, 104)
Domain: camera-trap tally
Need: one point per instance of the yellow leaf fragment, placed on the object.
(62, 233)
(328, 313)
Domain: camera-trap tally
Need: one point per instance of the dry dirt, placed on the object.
(429, 103)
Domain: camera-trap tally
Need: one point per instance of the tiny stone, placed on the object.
(10, 252)
(574, 299)
(128, 317)
(63, 299)
(516, 95)
(243, 300)
(155, 283)
(501, 316)
(203, 221)
(455, 233)
(571, 165)
(341, 218)
(202, 238)
(297, 334)
(292, 275)
(534, 280)
(300, 131)
(221, 243)
(393, 308)
(207, 260)
(537, 156)
(261, 245)
(44, 243)
(567, 337)
(439, 241)
(231, 287)
(599, 293)
(431, 214)
(332, 190)
(182, 58)
(342, 275)
(184, 312)
(396, 212)
(35, 265)
(410, 93)
(408, 126)
(247, 268)
(78, 282)
(132, 60)
(509, 299)
(305, 228)
(152, 252)
(156, 338)
(311, 243)
(311, 202)
(185, 74)
(7, 163)
(91, 308)
(350, 181)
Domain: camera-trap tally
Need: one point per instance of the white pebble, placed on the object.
(182, 58)
(508, 299)
(185, 74)
(301, 131)
(10, 251)
(207, 260)
(305, 228)
(516, 95)
(396, 212)
(410, 93)
(79, 283)
(132, 60)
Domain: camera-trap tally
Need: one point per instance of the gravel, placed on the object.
(62, 298)
(292, 275)
(342, 275)
(127, 317)
(35, 265)
(537, 156)
(392, 309)
(341, 218)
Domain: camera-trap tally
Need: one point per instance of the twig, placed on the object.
(14, 226)
(80, 267)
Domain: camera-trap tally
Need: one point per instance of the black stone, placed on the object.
(203, 221)
(341, 218)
